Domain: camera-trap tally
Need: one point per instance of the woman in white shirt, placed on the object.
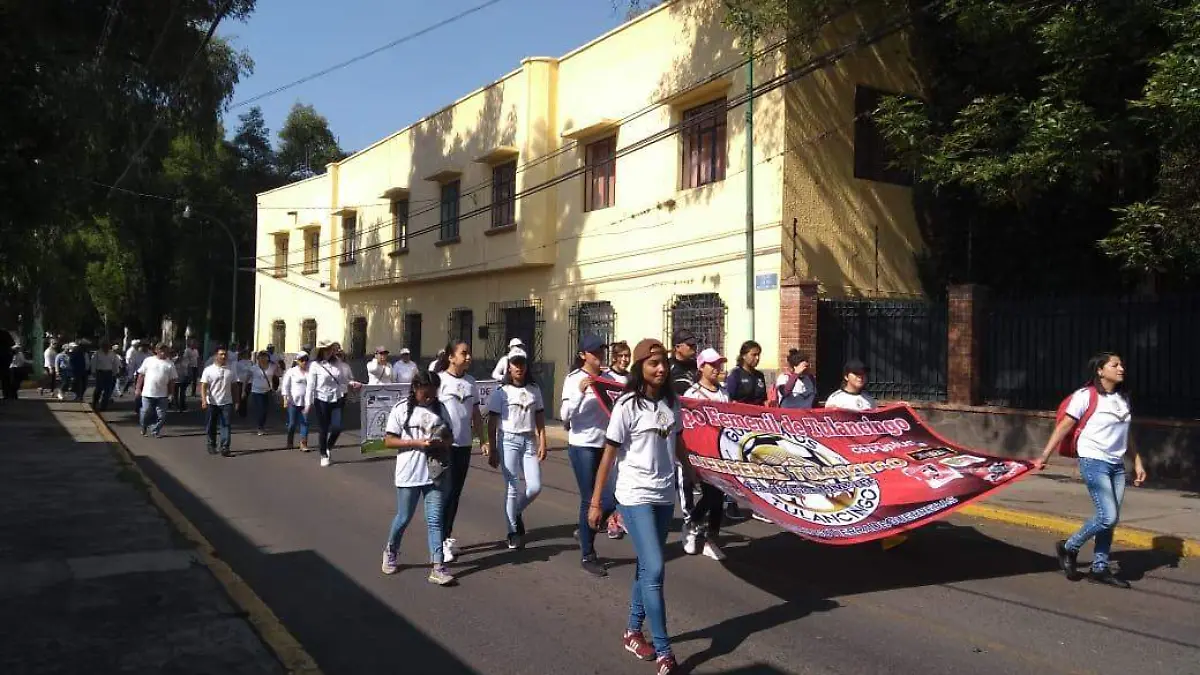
(329, 380)
(379, 370)
(618, 367)
(517, 429)
(851, 396)
(795, 385)
(710, 509)
(1101, 409)
(460, 398)
(417, 428)
(586, 422)
(262, 384)
(293, 391)
(644, 440)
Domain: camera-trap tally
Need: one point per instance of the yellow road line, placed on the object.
(1124, 536)
(285, 646)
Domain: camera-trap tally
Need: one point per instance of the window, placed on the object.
(312, 251)
(460, 324)
(279, 335)
(358, 337)
(703, 136)
(594, 317)
(412, 332)
(520, 318)
(308, 334)
(400, 224)
(349, 238)
(874, 158)
(701, 313)
(281, 255)
(504, 194)
(600, 174)
(448, 225)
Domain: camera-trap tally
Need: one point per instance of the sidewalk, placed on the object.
(93, 577)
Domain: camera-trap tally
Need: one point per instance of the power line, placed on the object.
(351, 61)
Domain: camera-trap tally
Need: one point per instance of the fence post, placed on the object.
(798, 318)
(964, 348)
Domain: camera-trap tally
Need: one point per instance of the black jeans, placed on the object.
(329, 416)
(460, 463)
(194, 376)
(102, 394)
(181, 396)
(711, 505)
(80, 385)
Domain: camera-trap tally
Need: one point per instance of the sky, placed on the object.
(364, 102)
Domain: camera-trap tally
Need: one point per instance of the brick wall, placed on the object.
(798, 318)
(964, 343)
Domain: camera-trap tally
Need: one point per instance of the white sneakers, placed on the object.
(711, 550)
(448, 550)
(324, 462)
(691, 540)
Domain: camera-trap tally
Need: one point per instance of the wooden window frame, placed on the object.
(281, 255)
(312, 250)
(349, 239)
(504, 194)
(600, 174)
(399, 211)
(448, 220)
(704, 138)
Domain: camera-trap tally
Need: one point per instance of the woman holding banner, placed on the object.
(711, 507)
(644, 440)
(586, 421)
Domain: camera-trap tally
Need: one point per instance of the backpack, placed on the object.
(1067, 446)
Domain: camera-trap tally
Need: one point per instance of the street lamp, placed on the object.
(187, 213)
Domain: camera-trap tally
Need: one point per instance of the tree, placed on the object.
(252, 143)
(306, 144)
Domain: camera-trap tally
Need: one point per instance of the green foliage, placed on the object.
(306, 143)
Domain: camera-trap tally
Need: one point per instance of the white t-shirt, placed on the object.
(242, 369)
(517, 407)
(380, 373)
(1106, 434)
(328, 381)
(219, 382)
(412, 464)
(802, 392)
(294, 386)
(645, 435)
(619, 378)
(158, 374)
(583, 412)
(697, 391)
(404, 372)
(191, 358)
(846, 401)
(48, 358)
(260, 378)
(460, 397)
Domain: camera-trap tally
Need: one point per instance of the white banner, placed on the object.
(377, 400)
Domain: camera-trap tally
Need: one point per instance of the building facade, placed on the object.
(602, 192)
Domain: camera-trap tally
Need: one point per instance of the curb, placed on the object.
(295, 659)
(1124, 536)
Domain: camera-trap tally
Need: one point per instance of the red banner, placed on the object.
(835, 476)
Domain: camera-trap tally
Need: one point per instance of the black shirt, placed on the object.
(683, 375)
(747, 386)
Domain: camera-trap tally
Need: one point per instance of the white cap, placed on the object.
(302, 355)
(135, 343)
(404, 350)
(512, 354)
(515, 342)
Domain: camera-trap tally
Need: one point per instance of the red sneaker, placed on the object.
(666, 665)
(635, 643)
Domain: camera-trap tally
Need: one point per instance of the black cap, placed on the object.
(683, 336)
(854, 366)
(591, 344)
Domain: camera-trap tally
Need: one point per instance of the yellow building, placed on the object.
(604, 192)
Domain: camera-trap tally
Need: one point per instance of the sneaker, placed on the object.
(614, 529)
(260, 433)
(1067, 559)
(143, 433)
(440, 575)
(666, 665)
(514, 541)
(60, 397)
(635, 643)
(304, 446)
(324, 461)
(711, 550)
(592, 565)
(389, 562)
(1107, 578)
(575, 534)
(226, 453)
(448, 552)
(691, 541)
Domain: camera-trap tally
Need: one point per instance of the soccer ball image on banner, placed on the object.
(822, 501)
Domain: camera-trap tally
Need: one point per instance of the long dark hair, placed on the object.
(636, 384)
(1095, 364)
(423, 379)
(529, 378)
(443, 361)
(746, 347)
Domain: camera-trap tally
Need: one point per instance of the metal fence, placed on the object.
(518, 318)
(703, 314)
(902, 342)
(1036, 350)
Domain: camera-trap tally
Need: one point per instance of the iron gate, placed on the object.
(358, 337)
(515, 318)
(902, 342)
(701, 313)
(459, 325)
(412, 334)
(591, 317)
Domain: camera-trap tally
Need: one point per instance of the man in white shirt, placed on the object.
(219, 388)
(133, 363)
(48, 357)
(379, 370)
(191, 359)
(155, 382)
(514, 345)
(104, 368)
(405, 369)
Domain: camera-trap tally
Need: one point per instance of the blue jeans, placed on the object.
(648, 525)
(406, 506)
(159, 404)
(586, 463)
(218, 417)
(1106, 485)
(296, 419)
(261, 403)
(520, 460)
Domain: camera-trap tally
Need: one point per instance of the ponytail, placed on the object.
(443, 359)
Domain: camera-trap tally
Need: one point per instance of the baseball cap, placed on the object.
(382, 350)
(646, 347)
(854, 366)
(515, 342)
(404, 350)
(322, 344)
(591, 344)
(709, 355)
(302, 356)
(683, 336)
(518, 356)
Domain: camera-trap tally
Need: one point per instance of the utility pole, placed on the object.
(749, 50)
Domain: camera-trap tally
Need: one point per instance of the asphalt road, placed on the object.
(961, 596)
